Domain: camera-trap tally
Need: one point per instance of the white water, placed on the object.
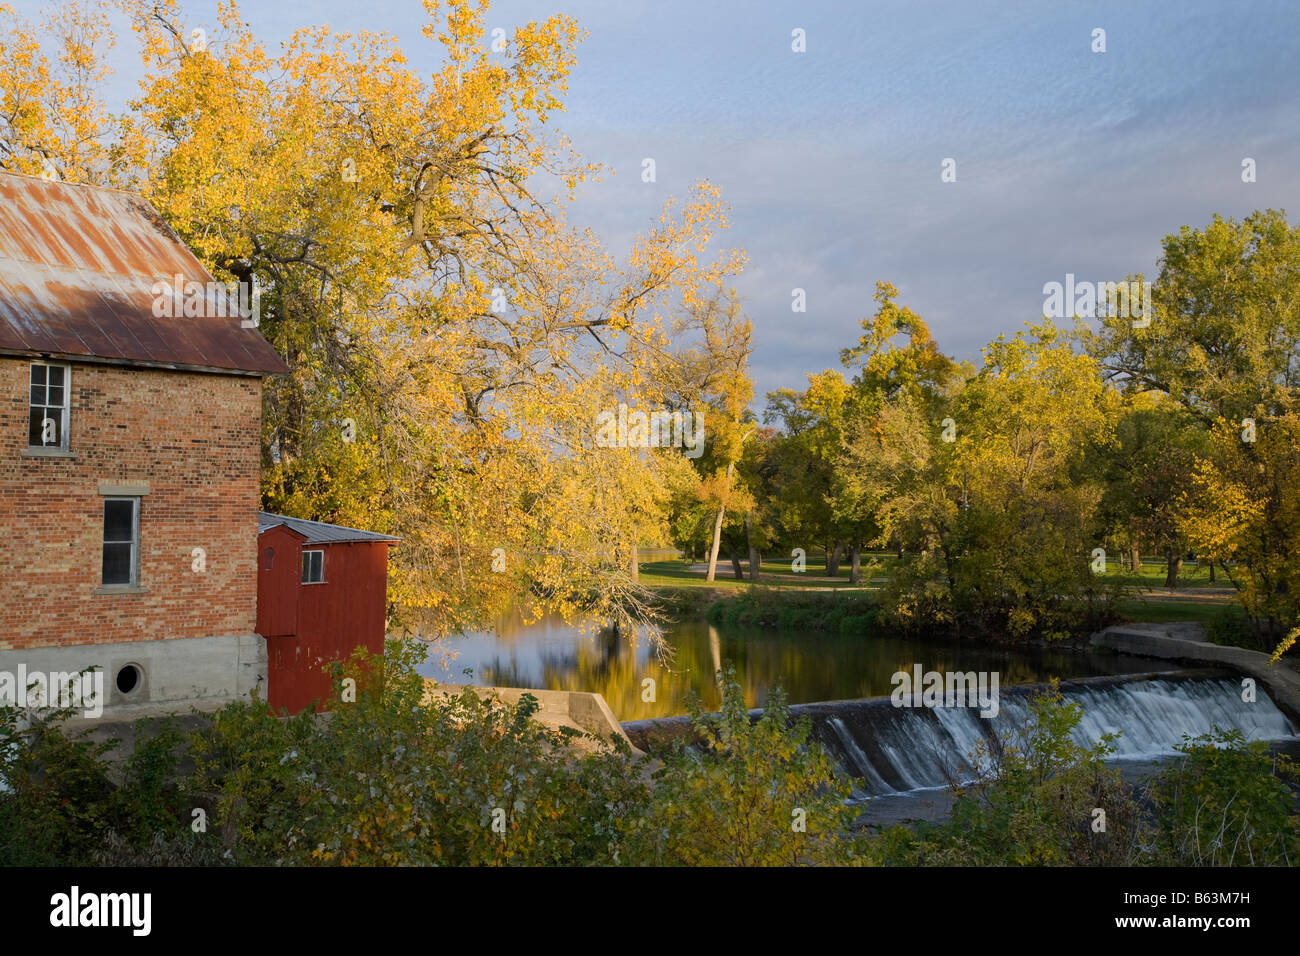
(897, 750)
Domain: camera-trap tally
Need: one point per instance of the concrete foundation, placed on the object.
(146, 678)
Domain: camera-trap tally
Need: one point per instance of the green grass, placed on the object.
(800, 610)
(1158, 612)
(675, 573)
(672, 575)
(777, 572)
(1152, 575)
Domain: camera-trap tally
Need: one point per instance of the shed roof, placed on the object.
(78, 265)
(317, 532)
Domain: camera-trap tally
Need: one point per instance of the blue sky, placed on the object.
(1067, 160)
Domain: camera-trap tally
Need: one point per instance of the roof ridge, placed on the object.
(72, 182)
(285, 519)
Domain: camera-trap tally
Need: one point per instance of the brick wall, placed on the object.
(194, 439)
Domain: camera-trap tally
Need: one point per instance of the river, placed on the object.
(554, 655)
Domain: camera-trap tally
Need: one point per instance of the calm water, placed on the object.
(552, 655)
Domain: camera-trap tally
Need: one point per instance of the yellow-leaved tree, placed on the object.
(451, 338)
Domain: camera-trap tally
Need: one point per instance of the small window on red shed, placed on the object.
(313, 567)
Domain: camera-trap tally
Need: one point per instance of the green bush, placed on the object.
(795, 611)
(57, 800)
(1034, 801)
(760, 793)
(1226, 802)
(1231, 627)
(60, 805)
(858, 623)
(401, 778)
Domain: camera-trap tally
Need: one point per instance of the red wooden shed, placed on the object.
(321, 592)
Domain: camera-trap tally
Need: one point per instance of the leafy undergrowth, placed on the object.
(393, 776)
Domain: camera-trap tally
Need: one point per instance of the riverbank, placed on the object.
(816, 601)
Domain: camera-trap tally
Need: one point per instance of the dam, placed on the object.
(891, 750)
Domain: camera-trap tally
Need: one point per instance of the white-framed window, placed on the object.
(121, 542)
(313, 567)
(49, 400)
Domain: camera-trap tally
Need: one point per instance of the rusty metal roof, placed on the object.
(318, 532)
(78, 265)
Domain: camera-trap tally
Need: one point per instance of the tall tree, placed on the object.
(1225, 337)
(716, 374)
(451, 338)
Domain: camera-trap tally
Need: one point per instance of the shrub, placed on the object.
(795, 611)
(1226, 802)
(759, 793)
(399, 777)
(1231, 627)
(1034, 801)
(60, 806)
(56, 804)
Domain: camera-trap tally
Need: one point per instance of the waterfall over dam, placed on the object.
(894, 750)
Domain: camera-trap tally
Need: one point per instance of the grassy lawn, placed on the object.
(1152, 575)
(1156, 611)
(676, 573)
(1188, 603)
(776, 572)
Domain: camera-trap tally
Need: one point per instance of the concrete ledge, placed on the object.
(579, 710)
(38, 452)
(128, 489)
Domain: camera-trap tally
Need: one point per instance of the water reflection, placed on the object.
(555, 655)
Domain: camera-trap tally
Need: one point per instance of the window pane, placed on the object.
(54, 396)
(119, 524)
(56, 376)
(38, 394)
(38, 374)
(117, 563)
(36, 426)
(312, 565)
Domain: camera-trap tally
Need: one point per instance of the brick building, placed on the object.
(129, 453)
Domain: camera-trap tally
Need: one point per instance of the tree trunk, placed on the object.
(635, 566)
(1174, 565)
(755, 560)
(1135, 558)
(736, 567)
(855, 568)
(833, 559)
(717, 526)
(1211, 571)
